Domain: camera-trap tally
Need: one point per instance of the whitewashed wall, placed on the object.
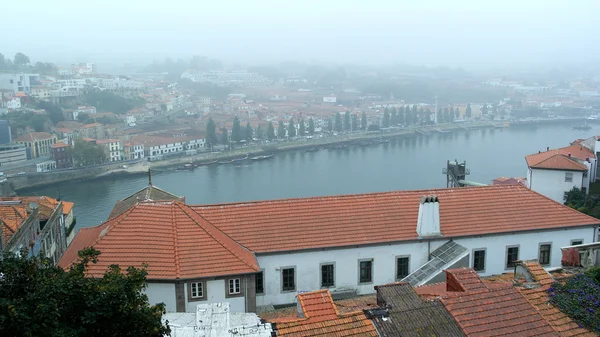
(162, 292)
(551, 183)
(307, 264)
(216, 294)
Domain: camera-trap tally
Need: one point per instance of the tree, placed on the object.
(249, 132)
(446, 115)
(291, 128)
(494, 110)
(55, 113)
(87, 153)
(363, 121)
(21, 59)
(440, 115)
(354, 125)
(281, 130)
(484, 109)
(456, 113)
(386, 119)
(338, 122)
(2, 61)
(301, 128)
(211, 133)
(401, 116)
(311, 127)
(393, 116)
(260, 133)
(105, 101)
(40, 299)
(468, 111)
(236, 133)
(270, 132)
(330, 125)
(224, 136)
(347, 121)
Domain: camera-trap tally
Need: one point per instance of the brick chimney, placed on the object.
(428, 220)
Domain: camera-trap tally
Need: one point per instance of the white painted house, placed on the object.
(555, 172)
(259, 254)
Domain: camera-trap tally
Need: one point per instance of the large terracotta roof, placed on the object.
(148, 193)
(498, 311)
(553, 160)
(11, 219)
(347, 220)
(173, 240)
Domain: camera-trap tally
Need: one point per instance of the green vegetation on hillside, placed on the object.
(105, 101)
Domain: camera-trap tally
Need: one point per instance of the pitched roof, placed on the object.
(170, 237)
(409, 315)
(553, 160)
(321, 318)
(46, 204)
(58, 145)
(345, 220)
(11, 219)
(148, 193)
(540, 299)
(30, 137)
(498, 311)
(577, 151)
(347, 305)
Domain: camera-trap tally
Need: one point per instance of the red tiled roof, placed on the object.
(481, 311)
(553, 160)
(577, 151)
(343, 306)
(34, 136)
(11, 219)
(345, 220)
(170, 237)
(58, 145)
(321, 319)
(540, 299)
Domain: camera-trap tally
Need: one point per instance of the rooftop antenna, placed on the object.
(149, 177)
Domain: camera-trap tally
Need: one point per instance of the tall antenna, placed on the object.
(149, 177)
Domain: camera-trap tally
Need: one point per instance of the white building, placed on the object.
(158, 147)
(130, 120)
(86, 109)
(45, 166)
(83, 68)
(329, 99)
(255, 254)
(13, 103)
(555, 172)
(19, 82)
(113, 149)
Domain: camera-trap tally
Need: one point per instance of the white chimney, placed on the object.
(428, 221)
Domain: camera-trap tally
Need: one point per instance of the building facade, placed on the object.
(37, 143)
(19, 82)
(62, 155)
(12, 153)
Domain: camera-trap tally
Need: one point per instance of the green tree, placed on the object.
(446, 115)
(330, 125)
(55, 113)
(301, 128)
(260, 133)
(338, 122)
(249, 132)
(311, 126)
(291, 128)
(38, 123)
(236, 133)
(393, 116)
(456, 113)
(484, 109)
(281, 130)
(440, 115)
(21, 59)
(347, 125)
(224, 136)
(468, 111)
(401, 116)
(105, 101)
(363, 121)
(494, 110)
(386, 119)
(354, 124)
(40, 299)
(87, 153)
(211, 133)
(270, 132)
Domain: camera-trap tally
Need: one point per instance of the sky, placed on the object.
(420, 32)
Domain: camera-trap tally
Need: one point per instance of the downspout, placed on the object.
(428, 250)
(246, 293)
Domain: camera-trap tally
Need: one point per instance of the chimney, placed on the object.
(428, 221)
(569, 154)
(547, 148)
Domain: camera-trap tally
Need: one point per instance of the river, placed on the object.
(410, 163)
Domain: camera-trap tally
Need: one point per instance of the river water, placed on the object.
(410, 163)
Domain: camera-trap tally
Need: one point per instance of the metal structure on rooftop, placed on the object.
(455, 173)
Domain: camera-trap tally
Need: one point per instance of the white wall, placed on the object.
(551, 183)
(162, 292)
(216, 294)
(307, 264)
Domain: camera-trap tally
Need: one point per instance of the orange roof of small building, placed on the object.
(91, 125)
(58, 145)
(553, 160)
(343, 306)
(20, 94)
(321, 318)
(509, 181)
(484, 311)
(540, 299)
(348, 220)
(170, 237)
(44, 201)
(11, 219)
(107, 141)
(32, 136)
(577, 151)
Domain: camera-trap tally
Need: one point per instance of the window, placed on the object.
(479, 260)
(234, 286)
(576, 242)
(288, 279)
(197, 289)
(365, 271)
(568, 177)
(327, 278)
(259, 283)
(402, 267)
(544, 257)
(512, 255)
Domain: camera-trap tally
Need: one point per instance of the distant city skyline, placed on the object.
(459, 33)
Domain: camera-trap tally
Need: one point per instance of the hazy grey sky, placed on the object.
(448, 32)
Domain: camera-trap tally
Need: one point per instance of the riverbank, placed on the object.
(360, 138)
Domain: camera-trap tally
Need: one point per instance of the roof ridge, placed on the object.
(193, 216)
(175, 243)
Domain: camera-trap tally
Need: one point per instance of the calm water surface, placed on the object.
(411, 163)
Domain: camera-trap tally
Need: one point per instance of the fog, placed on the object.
(452, 33)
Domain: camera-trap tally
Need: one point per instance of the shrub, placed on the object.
(578, 298)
